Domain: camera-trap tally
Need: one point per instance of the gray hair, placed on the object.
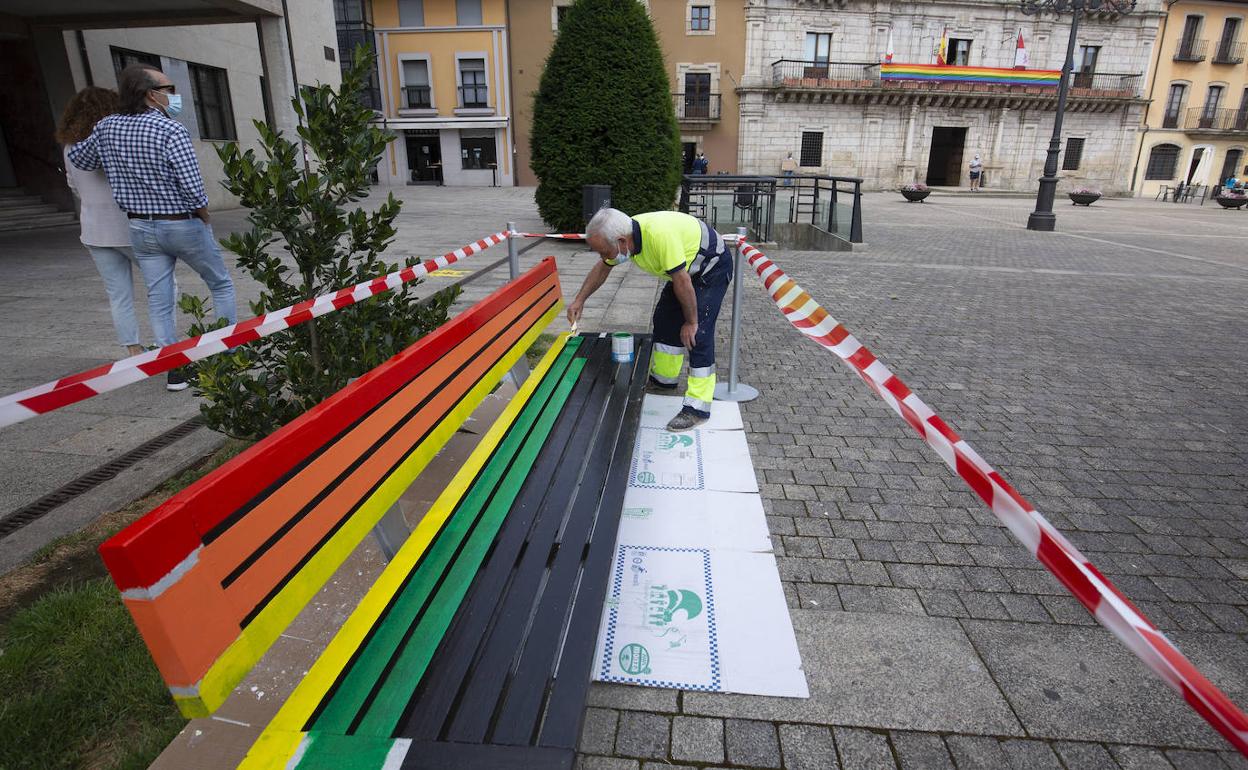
(611, 224)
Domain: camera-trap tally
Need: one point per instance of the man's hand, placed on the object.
(574, 311)
(688, 333)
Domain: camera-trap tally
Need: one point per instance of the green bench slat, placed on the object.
(377, 687)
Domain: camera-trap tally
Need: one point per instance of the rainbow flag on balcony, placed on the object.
(953, 74)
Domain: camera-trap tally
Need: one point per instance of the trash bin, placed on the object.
(594, 197)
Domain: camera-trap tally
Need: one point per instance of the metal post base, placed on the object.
(741, 392)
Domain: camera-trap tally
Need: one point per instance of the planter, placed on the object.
(1229, 202)
(915, 195)
(1084, 199)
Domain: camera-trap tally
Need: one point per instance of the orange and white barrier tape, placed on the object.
(53, 395)
(1106, 603)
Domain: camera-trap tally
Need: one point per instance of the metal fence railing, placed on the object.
(797, 72)
(474, 96)
(1229, 120)
(725, 201)
(1126, 85)
(1191, 50)
(832, 203)
(697, 106)
(1229, 52)
(417, 97)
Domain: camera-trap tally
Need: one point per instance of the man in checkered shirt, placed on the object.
(154, 175)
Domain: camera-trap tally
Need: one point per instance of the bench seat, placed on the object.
(473, 648)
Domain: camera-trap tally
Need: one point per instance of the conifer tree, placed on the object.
(603, 115)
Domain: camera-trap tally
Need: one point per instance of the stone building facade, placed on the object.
(813, 88)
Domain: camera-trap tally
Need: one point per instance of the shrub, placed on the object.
(603, 115)
(255, 389)
(1085, 191)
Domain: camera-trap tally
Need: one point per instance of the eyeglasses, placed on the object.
(169, 89)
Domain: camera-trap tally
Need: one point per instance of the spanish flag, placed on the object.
(942, 53)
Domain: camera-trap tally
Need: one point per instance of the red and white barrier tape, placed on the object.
(1106, 603)
(45, 398)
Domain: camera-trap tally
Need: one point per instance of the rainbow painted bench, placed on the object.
(473, 647)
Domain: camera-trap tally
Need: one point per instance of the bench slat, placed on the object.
(356, 692)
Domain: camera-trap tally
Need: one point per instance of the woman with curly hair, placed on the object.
(105, 229)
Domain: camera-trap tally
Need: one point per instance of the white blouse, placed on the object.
(103, 222)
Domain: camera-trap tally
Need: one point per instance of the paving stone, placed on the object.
(642, 735)
(631, 697)
(921, 751)
(1195, 760)
(605, 763)
(899, 672)
(863, 749)
(807, 747)
(1140, 758)
(753, 743)
(1030, 755)
(976, 752)
(598, 732)
(696, 739)
(1085, 756)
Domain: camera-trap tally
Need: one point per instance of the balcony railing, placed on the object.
(474, 96)
(1226, 120)
(789, 73)
(697, 106)
(417, 97)
(1115, 84)
(824, 74)
(1191, 50)
(1229, 53)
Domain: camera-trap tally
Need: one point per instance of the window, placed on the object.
(351, 11)
(1230, 165)
(1208, 115)
(417, 94)
(329, 53)
(1174, 105)
(959, 52)
(468, 13)
(1189, 46)
(812, 148)
(1241, 115)
(1162, 161)
(1085, 65)
(700, 17)
(818, 47)
(1227, 53)
(1073, 155)
(123, 58)
(697, 95)
(561, 13)
(211, 91)
(477, 150)
(411, 13)
(473, 91)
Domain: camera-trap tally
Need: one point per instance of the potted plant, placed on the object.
(1231, 199)
(915, 191)
(1084, 196)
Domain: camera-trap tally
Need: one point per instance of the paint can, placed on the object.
(621, 347)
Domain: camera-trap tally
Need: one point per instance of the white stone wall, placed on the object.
(870, 140)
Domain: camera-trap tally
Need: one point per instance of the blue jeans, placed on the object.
(158, 243)
(113, 263)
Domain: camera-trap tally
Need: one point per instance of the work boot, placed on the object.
(684, 420)
(659, 389)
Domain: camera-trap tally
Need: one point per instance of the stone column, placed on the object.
(906, 169)
(995, 166)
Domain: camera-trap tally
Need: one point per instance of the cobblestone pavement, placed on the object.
(1102, 370)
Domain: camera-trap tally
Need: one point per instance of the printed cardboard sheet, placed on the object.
(695, 600)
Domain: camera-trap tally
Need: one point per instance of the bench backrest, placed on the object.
(215, 574)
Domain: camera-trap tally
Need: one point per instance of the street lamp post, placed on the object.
(1043, 217)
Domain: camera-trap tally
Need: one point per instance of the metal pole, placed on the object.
(1043, 218)
(513, 256)
(733, 390)
(855, 220)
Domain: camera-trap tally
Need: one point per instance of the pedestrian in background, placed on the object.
(788, 168)
(105, 231)
(155, 178)
(700, 163)
(977, 170)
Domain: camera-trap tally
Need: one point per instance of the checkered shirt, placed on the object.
(150, 163)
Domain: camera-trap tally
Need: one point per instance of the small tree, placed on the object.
(603, 115)
(301, 203)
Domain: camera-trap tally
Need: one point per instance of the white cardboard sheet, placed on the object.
(695, 600)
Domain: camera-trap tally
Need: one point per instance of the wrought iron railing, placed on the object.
(1201, 119)
(697, 106)
(474, 96)
(824, 74)
(417, 97)
(1105, 84)
(1229, 52)
(1191, 50)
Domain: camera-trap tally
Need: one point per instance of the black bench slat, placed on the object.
(523, 641)
(558, 471)
(429, 755)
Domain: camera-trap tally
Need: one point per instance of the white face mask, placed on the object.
(622, 256)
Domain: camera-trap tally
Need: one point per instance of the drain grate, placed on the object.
(14, 521)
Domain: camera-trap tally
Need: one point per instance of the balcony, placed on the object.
(474, 97)
(1226, 121)
(697, 107)
(1191, 50)
(861, 82)
(1229, 53)
(417, 98)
